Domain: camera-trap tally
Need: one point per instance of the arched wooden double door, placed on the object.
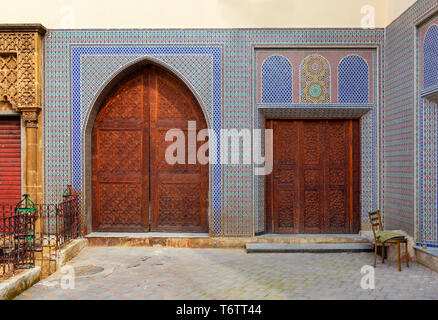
(134, 188)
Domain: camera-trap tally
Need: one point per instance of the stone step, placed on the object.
(308, 247)
(310, 238)
(203, 240)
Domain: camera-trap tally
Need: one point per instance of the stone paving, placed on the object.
(169, 273)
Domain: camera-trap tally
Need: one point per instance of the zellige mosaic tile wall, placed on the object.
(219, 67)
(409, 126)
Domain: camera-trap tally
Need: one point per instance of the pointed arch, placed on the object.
(112, 81)
(315, 81)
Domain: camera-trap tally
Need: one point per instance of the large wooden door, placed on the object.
(134, 188)
(314, 187)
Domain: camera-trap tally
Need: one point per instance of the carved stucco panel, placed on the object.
(18, 69)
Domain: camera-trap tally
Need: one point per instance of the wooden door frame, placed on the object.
(269, 212)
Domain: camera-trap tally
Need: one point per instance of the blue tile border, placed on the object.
(148, 51)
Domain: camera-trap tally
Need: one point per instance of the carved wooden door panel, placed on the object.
(312, 176)
(120, 159)
(323, 193)
(342, 176)
(338, 175)
(285, 180)
(134, 188)
(179, 199)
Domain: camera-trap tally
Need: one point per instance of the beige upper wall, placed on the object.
(397, 7)
(199, 13)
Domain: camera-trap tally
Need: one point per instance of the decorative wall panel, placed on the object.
(277, 80)
(430, 57)
(315, 80)
(353, 80)
(427, 228)
(345, 76)
(218, 66)
(18, 68)
(189, 57)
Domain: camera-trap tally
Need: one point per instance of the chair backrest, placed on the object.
(376, 222)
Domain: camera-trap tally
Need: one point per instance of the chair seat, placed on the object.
(396, 240)
(385, 236)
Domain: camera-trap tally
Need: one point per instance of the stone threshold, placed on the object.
(146, 235)
(308, 247)
(316, 237)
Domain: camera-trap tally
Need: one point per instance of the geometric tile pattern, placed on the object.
(428, 147)
(353, 80)
(369, 162)
(430, 50)
(404, 166)
(101, 67)
(351, 64)
(428, 169)
(192, 57)
(276, 80)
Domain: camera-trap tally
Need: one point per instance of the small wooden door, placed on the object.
(134, 188)
(314, 187)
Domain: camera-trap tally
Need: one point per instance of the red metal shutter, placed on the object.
(10, 160)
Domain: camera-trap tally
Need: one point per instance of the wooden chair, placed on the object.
(376, 225)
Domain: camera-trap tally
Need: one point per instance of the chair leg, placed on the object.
(383, 253)
(398, 256)
(375, 254)
(407, 255)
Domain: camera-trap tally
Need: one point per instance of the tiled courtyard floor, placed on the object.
(167, 273)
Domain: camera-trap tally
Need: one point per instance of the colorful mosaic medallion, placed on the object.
(315, 80)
